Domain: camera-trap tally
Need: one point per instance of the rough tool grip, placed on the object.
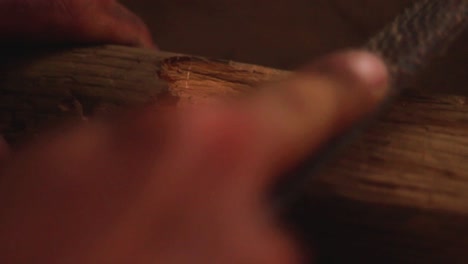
(416, 36)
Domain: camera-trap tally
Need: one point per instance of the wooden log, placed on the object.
(399, 194)
(284, 36)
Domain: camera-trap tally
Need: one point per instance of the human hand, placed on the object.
(71, 21)
(178, 186)
(44, 22)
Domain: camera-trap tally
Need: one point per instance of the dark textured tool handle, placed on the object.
(416, 36)
(407, 45)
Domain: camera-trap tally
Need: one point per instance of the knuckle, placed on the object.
(72, 9)
(76, 9)
(227, 133)
(235, 131)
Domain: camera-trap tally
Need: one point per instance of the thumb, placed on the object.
(288, 121)
(296, 117)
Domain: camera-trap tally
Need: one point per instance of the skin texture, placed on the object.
(166, 185)
(71, 21)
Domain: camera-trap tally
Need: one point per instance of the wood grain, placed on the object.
(400, 194)
(286, 35)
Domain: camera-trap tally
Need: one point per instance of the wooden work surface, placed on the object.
(398, 195)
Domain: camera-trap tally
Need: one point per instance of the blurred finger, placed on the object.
(4, 150)
(290, 119)
(77, 21)
(114, 23)
(298, 116)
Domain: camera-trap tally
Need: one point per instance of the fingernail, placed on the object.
(369, 69)
(362, 68)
